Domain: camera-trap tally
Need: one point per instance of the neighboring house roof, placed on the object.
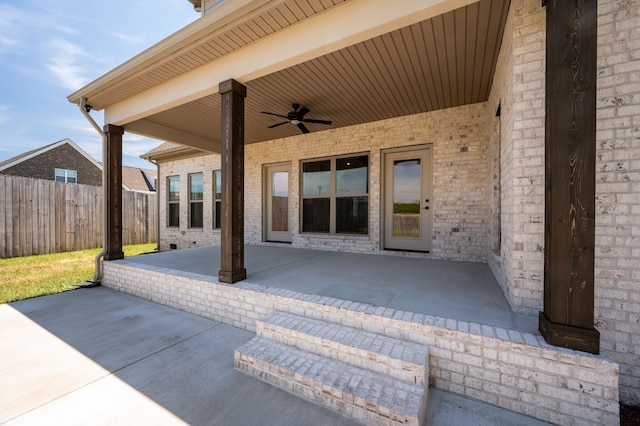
(11, 162)
(133, 178)
(136, 179)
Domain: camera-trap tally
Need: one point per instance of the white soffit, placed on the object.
(350, 23)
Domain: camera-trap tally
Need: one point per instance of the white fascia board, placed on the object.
(350, 23)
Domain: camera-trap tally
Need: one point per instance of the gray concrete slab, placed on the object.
(99, 357)
(95, 356)
(464, 291)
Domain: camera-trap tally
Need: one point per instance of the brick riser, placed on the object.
(369, 377)
(365, 396)
(403, 360)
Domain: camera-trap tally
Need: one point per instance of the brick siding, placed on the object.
(507, 368)
(463, 182)
(63, 157)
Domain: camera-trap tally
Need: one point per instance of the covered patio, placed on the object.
(478, 347)
(478, 93)
(463, 291)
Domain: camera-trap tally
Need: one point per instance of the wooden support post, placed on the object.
(112, 166)
(232, 224)
(570, 145)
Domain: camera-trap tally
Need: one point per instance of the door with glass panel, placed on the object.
(278, 203)
(407, 194)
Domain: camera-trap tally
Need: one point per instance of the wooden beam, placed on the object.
(232, 204)
(112, 166)
(570, 150)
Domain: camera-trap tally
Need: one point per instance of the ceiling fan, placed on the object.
(297, 117)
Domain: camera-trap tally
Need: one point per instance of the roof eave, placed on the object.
(182, 151)
(229, 14)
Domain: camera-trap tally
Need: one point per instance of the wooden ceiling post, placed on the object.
(570, 145)
(232, 205)
(112, 166)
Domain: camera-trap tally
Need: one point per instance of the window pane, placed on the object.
(174, 188)
(315, 214)
(352, 175)
(316, 178)
(280, 201)
(406, 198)
(59, 178)
(217, 178)
(72, 174)
(71, 179)
(218, 218)
(352, 215)
(174, 214)
(196, 215)
(195, 187)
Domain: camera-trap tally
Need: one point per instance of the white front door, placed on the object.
(277, 203)
(407, 194)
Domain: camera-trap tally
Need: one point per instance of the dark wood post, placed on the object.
(232, 224)
(112, 165)
(570, 145)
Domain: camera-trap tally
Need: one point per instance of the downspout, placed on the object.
(157, 204)
(84, 109)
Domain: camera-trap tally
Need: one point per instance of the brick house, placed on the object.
(453, 137)
(64, 161)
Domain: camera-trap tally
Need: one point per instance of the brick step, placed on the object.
(365, 396)
(402, 360)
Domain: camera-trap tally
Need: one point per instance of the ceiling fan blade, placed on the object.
(277, 115)
(303, 128)
(302, 113)
(276, 125)
(311, 120)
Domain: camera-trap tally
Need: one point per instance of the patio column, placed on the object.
(232, 144)
(112, 164)
(570, 151)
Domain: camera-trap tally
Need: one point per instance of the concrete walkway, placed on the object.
(99, 357)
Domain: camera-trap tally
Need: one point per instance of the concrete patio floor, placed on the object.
(465, 291)
(98, 357)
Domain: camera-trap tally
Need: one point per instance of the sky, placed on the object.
(51, 48)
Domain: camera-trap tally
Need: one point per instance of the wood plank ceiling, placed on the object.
(442, 62)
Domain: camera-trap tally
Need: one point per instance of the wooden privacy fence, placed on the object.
(42, 216)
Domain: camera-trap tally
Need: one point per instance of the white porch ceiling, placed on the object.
(444, 61)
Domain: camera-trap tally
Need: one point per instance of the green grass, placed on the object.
(33, 276)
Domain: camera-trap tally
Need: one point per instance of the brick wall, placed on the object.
(184, 236)
(617, 256)
(63, 157)
(459, 182)
(519, 88)
(507, 368)
(459, 192)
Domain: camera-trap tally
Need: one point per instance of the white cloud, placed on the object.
(4, 113)
(9, 17)
(129, 38)
(64, 64)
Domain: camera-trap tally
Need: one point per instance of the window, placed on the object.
(173, 201)
(217, 199)
(335, 195)
(196, 192)
(64, 175)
